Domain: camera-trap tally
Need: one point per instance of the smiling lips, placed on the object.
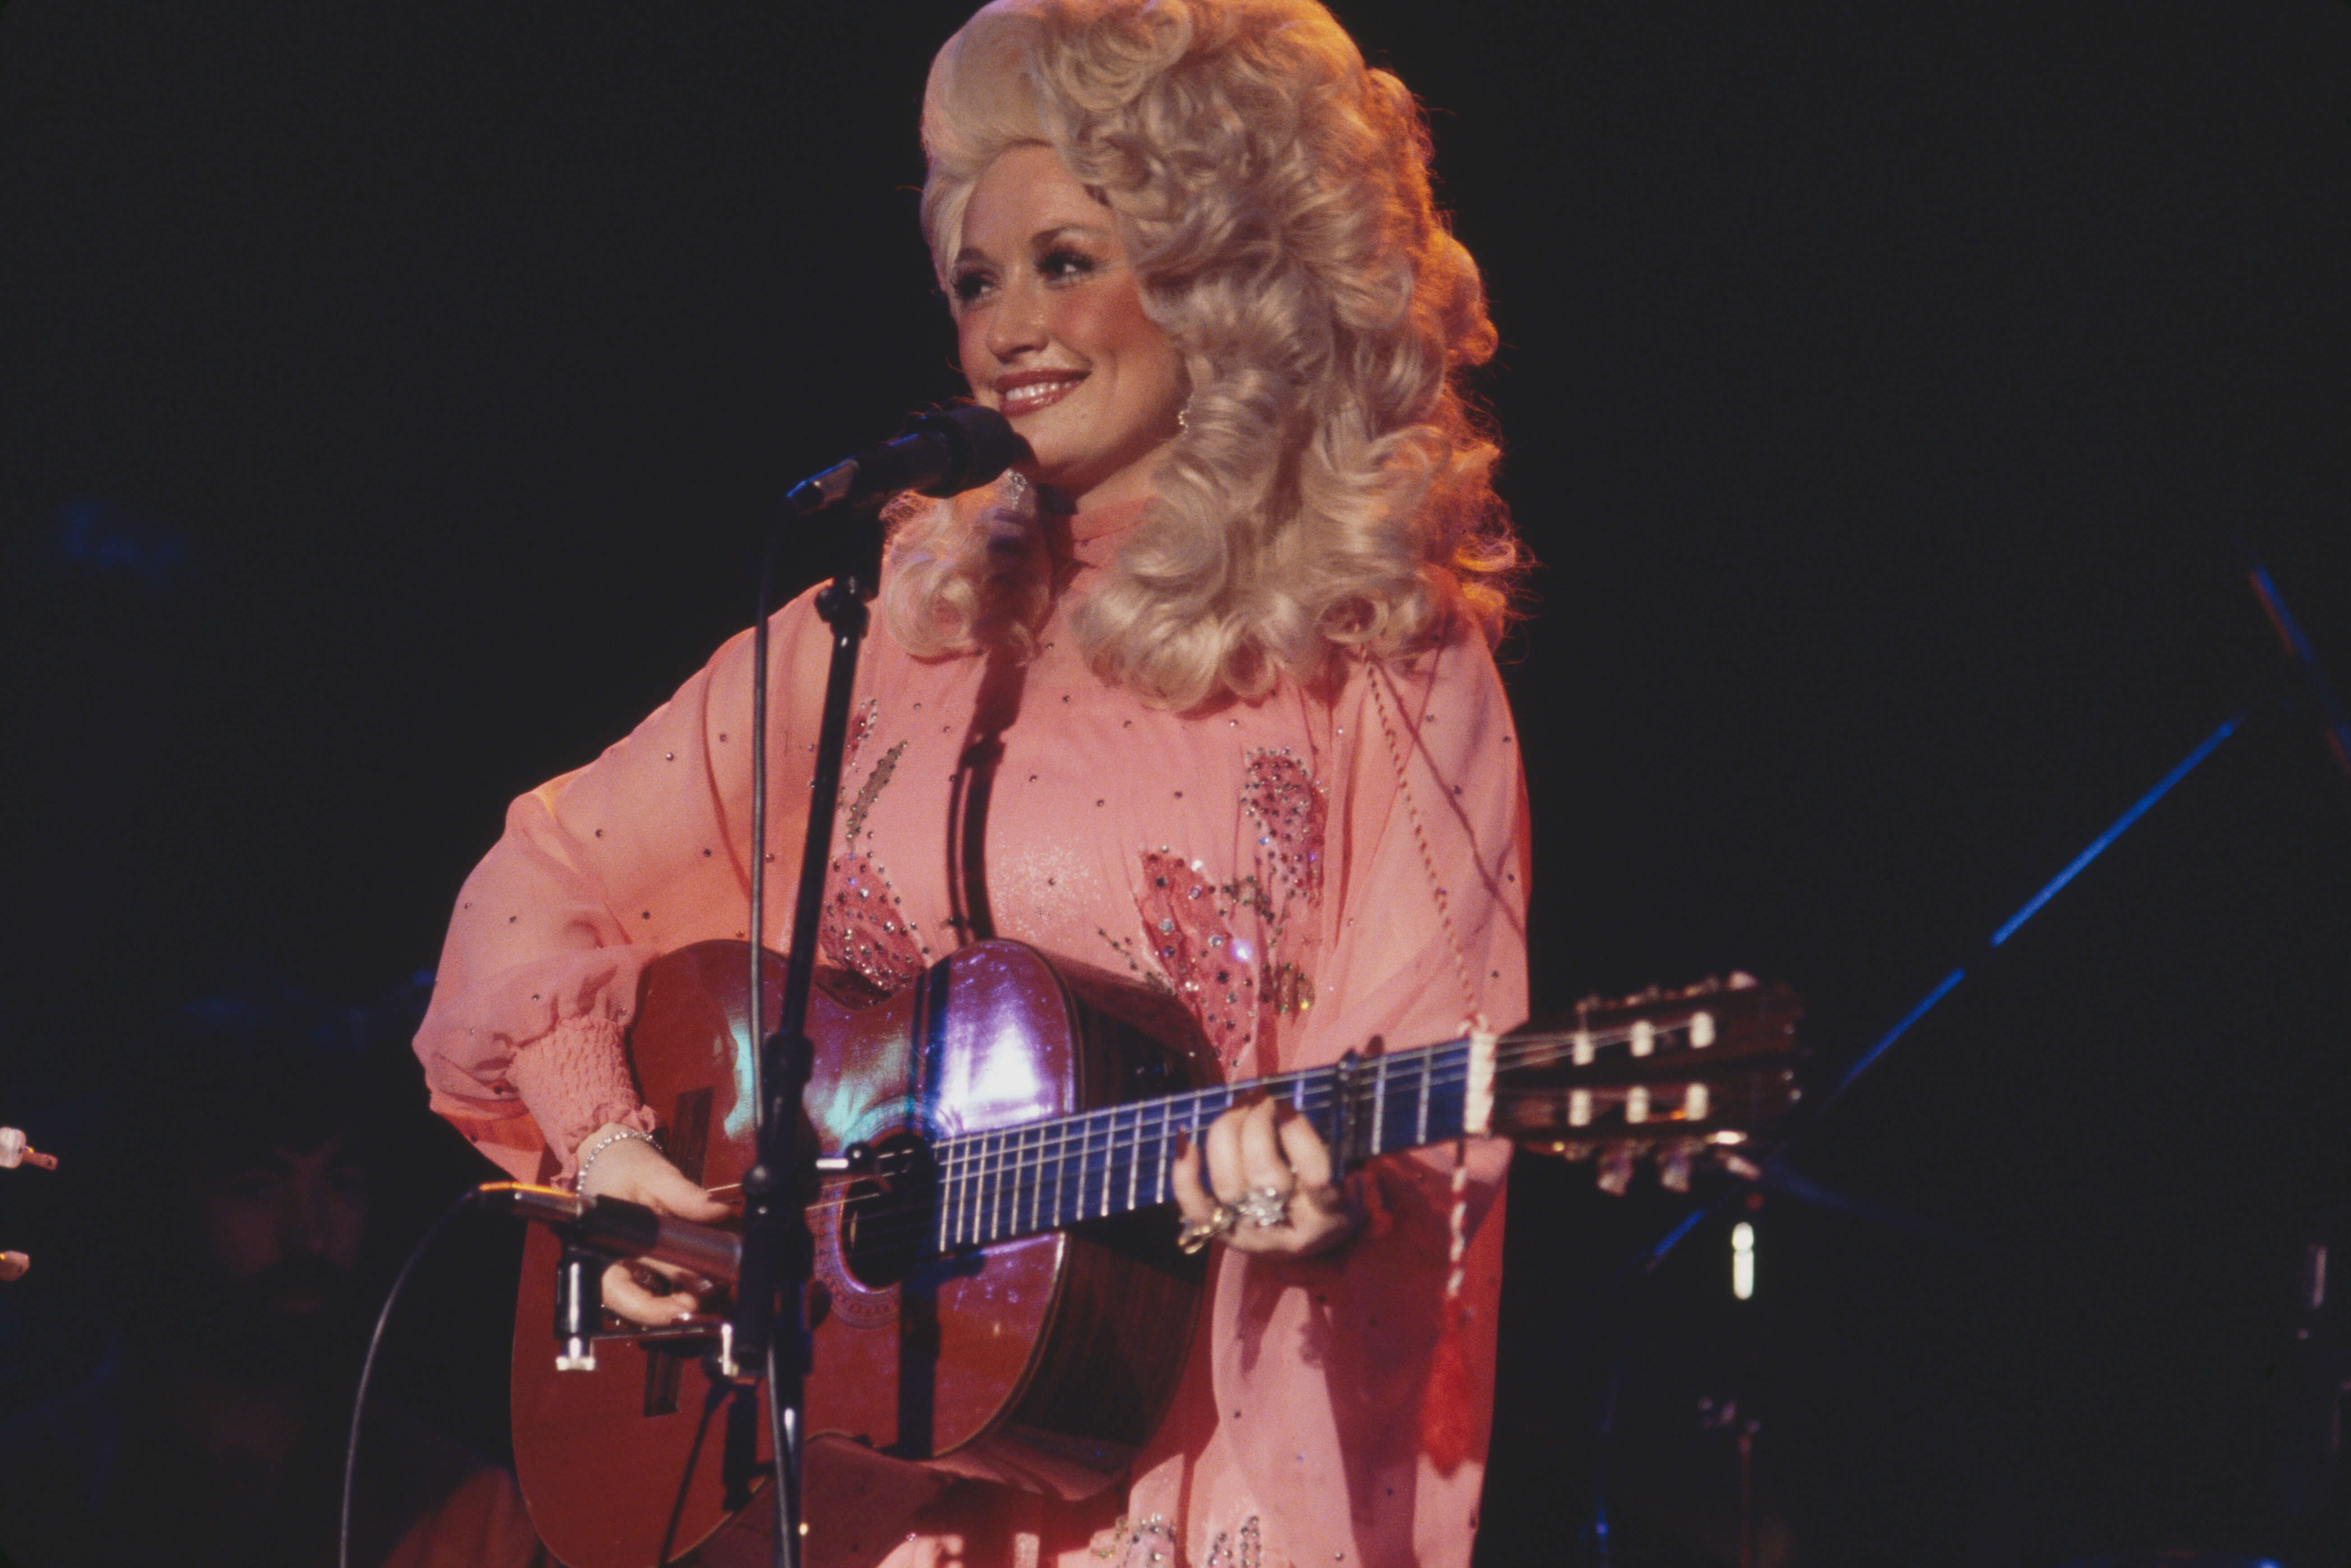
(1033, 389)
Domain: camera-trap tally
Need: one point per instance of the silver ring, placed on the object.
(1265, 1208)
(1197, 1233)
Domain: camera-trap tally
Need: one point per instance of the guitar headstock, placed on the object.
(1682, 1077)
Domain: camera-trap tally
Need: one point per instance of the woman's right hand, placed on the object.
(633, 1170)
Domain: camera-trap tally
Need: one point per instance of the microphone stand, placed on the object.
(769, 1328)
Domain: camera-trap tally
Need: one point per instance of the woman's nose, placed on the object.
(1018, 324)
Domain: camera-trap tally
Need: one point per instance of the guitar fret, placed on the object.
(967, 1174)
(939, 1241)
(972, 1169)
(1102, 1203)
(1012, 1181)
(1024, 1180)
(1061, 1207)
(1134, 1156)
(986, 1210)
(1420, 1111)
(1108, 1122)
(1007, 1212)
(945, 1156)
(1162, 1138)
(1108, 1125)
(1065, 1179)
(1037, 1170)
(976, 1191)
(976, 1221)
(992, 1223)
(1007, 1181)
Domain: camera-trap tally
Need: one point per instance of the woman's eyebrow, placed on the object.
(1046, 236)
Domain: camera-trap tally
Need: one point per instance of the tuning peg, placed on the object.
(1614, 1173)
(1674, 1168)
(1741, 980)
(15, 1151)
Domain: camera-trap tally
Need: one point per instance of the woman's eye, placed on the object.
(1064, 266)
(968, 286)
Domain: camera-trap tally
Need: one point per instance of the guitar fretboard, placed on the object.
(1018, 1181)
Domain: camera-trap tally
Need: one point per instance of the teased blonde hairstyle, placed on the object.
(1334, 489)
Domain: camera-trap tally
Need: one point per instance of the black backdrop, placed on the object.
(391, 395)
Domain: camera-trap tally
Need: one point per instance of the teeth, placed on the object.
(1039, 391)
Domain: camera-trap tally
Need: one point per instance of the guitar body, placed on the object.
(1042, 1362)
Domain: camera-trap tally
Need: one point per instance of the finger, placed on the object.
(1303, 1148)
(666, 1188)
(632, 1301)
(680, 1278)
(1262, 1162)
(1227, 1179)
(1184, 1177)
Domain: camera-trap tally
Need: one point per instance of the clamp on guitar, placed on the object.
(596, 1231)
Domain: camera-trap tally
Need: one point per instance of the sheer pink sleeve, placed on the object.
(1322, 1367)
(641, 851)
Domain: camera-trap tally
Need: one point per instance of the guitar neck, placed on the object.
(1016, 1181)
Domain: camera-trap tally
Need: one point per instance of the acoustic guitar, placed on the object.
(993, 1293)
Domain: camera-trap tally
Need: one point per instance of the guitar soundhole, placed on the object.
(886, 1216)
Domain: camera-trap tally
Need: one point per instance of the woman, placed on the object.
(1219, 662)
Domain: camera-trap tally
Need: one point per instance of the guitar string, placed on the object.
(1078, 1134)
(1079, 1128)
(1027, 1187)
(1038, 1147)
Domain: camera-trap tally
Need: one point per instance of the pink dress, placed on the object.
(1306, 872)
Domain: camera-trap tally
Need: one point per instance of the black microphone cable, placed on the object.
(367, 1366)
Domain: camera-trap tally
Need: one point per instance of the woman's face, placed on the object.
(1052, 334)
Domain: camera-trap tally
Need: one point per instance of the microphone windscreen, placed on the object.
(982, 442)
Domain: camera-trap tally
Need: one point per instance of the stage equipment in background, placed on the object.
(15, 1151)
(2298, 685)
(990, 1295)
(2299, 679)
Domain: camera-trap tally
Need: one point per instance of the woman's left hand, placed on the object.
(1270, 1187)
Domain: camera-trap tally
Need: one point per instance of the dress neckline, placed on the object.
(1091, 538)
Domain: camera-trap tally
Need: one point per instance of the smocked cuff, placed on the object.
(575, 1079)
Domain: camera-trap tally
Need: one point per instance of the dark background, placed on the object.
(392, 393)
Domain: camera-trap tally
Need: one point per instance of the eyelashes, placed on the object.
(1058, 266)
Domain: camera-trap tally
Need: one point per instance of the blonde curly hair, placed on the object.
(1334, 489)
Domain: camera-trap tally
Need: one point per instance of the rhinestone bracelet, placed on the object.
(580, 1176)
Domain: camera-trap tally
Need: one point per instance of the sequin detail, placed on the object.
(1290, 810)
(1232, 950)
(1140, 1543)
(872, 790)
(1246, 1549)
(864, 926)
(1188, 922)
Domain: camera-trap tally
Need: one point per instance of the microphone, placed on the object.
(598, 1230)
(616, 1229)
(945, 453)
